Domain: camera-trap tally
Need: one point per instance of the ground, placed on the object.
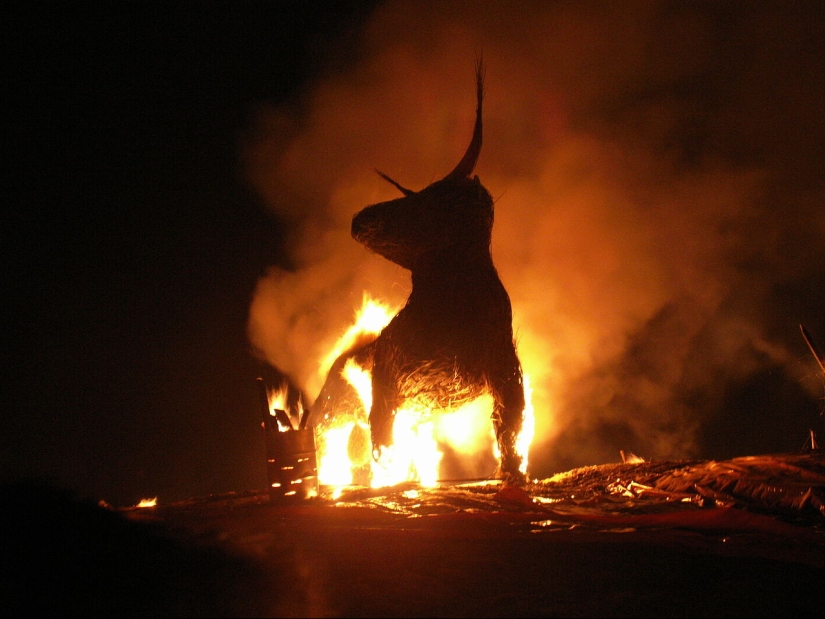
(588, 543)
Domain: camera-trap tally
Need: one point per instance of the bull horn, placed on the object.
(404, 190)
(467, 164)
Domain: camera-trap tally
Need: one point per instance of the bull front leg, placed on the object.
(508, 418)
(385, 400)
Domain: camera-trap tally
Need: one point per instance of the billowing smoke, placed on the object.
(660, 213)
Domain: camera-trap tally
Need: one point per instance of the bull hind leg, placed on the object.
(508, 419)
(385, 401)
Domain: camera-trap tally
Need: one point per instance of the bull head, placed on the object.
(451, 214)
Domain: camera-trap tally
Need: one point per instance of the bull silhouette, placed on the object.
(453, 340)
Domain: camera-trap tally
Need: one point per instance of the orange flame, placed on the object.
(419, 434)
(277, 399)
(369, 320)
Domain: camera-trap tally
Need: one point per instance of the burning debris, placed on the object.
(292, 467)
(453, 340)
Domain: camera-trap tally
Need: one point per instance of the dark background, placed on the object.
(132, 242)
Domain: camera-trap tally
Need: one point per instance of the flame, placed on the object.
(419, 434)
(467, 427)
(361, 381)
(369, 321)
(528, 428)
(335, 466)
(413, 455)
(148, 502)
(277, 399)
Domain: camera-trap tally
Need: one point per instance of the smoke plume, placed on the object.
(658, 175)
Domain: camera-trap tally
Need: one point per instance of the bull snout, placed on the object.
(365, 225)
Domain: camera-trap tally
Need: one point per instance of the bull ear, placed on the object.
(404, 190)
(467, 164)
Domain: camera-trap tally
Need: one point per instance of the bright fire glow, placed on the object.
(528, 428)
(148, 502)
(413, 455)
(370, 319)
(361, 381)
(277, 399)
(419, 434)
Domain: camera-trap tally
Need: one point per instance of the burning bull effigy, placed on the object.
(453, 340)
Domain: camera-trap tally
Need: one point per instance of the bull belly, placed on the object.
(434, 385)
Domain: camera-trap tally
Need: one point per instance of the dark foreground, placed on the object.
(597, 542)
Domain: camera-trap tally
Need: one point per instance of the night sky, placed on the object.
(134, 242)
(170, 166)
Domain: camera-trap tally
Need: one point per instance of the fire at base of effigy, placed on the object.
(331, 454)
